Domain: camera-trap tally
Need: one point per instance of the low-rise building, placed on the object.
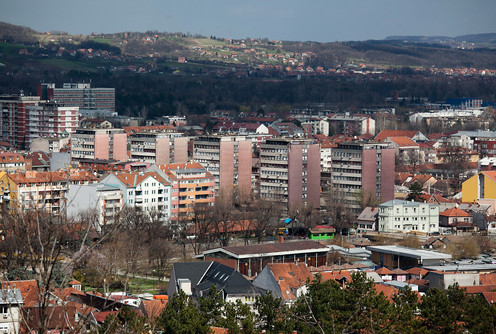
(399, 216)
(403, 257)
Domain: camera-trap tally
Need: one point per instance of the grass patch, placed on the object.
(141, 285)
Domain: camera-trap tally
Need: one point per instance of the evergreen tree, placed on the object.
(181, 316)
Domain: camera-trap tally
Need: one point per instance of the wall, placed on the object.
(226, 177)
(181, 150)
(102, 146)
(244, 167)
(295, 171)
(313, 175)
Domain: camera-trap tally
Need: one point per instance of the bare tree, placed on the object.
(263, 213)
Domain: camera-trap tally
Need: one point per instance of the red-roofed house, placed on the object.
(146, 190)
(285, 280)
(459, 220)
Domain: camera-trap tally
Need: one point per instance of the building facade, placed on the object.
(147, 191)
(228, 159)
(191, 185)
(157, 144)
(290, 171)
(13, 118)
(399, 216)
(50, 120)
(80, 95)
(90, 144)
(362, 168)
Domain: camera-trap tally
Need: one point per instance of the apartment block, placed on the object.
(290, 171)
(147, 191)
(399, 216)
(158, 144)
(80, 95)
(50, 120)
(13, 118)
(362, 167)
(90, 144)
(42, 190)
(191, 185)
(104, 201)
(228, 159)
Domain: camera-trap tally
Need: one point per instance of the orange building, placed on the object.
(191, 184)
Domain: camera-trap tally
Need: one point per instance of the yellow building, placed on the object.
(481, 186)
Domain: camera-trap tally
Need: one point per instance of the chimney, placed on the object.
(185, 285)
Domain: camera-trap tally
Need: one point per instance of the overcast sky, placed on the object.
(311, 20)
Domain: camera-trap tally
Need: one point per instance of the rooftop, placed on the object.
(411, 252)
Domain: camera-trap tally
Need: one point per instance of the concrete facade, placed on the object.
(404, 217)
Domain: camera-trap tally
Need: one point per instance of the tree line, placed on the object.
(327, 307)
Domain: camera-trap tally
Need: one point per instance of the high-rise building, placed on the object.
(228, 159)
(50, 120)
(362, 169)
(157, 144)
(13, 118)
(88, 144)
(80, 95)
(290, 171)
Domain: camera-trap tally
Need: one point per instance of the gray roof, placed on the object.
(10, 296)
(368, 214)
(463, 267)
(400, 202)
(193, 271)
(227, 279)
(410, 252)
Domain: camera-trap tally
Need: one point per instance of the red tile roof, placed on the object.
(384, 271)
(455, 212)
(290, 276)
(403, 141)
(417, 271)
(132, 179)
(384, 134)
(388, 291)
(488, 279)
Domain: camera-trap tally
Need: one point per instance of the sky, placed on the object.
(311, 20)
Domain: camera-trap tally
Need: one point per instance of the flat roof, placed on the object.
(410, 252)
(463, 267)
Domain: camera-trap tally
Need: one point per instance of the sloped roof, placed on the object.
(384, 134)
(384, 271)
(490, 297)
(417, 271)
(153, 308)
(290, 276)
(479, 288)
(11, 157)
(193, 271)
(403, 141)
(225, 278)
(132, 179)
(490, 174)
(336, 275)
(368, 214)
(488, 279)
(399, 271)
(435, 198)
(455, 212)
(388, 291)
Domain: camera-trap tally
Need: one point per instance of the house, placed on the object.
(196, 278)
(12, 162)
(433, 243)
(250, 260)
(405, 216)
(285, 280)
(443, 280)
(11, 303)
(385, 274)
(367, 219)
(458, 220)
(321, 232)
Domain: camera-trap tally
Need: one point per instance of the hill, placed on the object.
(476, 51)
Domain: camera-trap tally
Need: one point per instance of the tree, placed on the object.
(415, 192)
(273, 316)
(126, 320)
(263, 213)
(181, 316)
(444, 312)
